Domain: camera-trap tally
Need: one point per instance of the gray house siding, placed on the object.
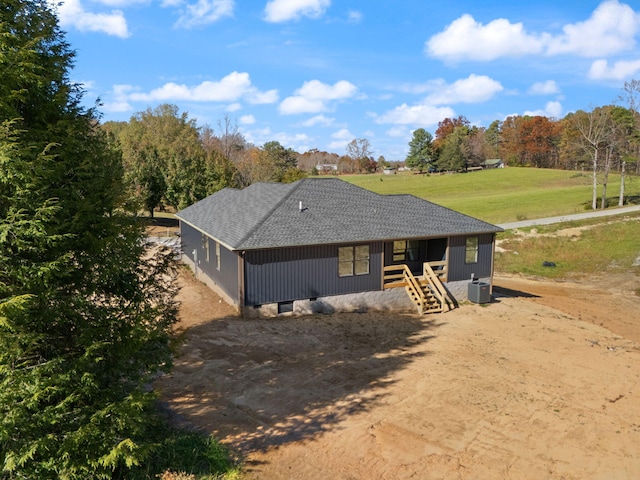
(286, 274)
(459, 269)
(227, 277)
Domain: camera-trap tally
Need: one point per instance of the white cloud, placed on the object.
(314, 96)
(473, 89)
(611, 29)
(354, 16)
(291, 140)
(343, 134)
(340, 139)
(420, 115)
(283, 10)
(234, 107)
(120, 102)
(298, 141)
(247, 120)
(231, 88)
(465, 38)
(319, 120)
(551, 110)
(620, 70)
(544, 88)
(293, 105)
(204, 12)
(261, 98)
(397, 132)
(117, 107)
(71, 13)
(123, 3)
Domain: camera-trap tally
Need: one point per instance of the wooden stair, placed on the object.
(427, 292)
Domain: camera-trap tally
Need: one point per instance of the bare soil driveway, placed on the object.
(544, 382)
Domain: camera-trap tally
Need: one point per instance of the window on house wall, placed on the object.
(205, 246)
(353, 260)
(406, 250)
(218, 256)
(471, 250)
(399, 249)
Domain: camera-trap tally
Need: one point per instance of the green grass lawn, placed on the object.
(609, 246)
(501, 195)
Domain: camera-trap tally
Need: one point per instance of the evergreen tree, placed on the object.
(420, 150)
(455, 151)
(85, 307)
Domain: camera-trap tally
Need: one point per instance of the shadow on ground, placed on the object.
(258, 384)
(501, 292)
(162, 222)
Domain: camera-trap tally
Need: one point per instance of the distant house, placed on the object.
(323, 245)
(326, 167)
(493, 163)
(389, 170)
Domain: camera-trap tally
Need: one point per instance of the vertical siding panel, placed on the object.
(458, 269)
(227, 277)
(287, 274)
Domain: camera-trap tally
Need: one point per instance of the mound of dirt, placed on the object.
(541, 383)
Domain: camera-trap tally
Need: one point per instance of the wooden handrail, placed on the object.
(401, 276)
(441, 272)
(435, 282)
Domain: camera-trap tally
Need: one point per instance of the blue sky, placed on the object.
(319, 73)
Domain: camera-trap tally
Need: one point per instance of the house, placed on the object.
(324, 245)
(389, 171)
(493, 163)
(327, 167)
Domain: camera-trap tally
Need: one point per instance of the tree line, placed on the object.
(598, 141)
(170, 161)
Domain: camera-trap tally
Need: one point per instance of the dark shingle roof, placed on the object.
(267, 215)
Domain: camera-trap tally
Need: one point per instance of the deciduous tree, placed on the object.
(593, 127)
(631, 98)
(359, 149)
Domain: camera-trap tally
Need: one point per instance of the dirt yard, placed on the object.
(544, 382)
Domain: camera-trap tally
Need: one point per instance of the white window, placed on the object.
(471, 250)
(218, 256)
(353, 260)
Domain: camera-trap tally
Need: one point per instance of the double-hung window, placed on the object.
(353, 260)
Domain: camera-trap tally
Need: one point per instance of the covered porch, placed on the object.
(420, 267)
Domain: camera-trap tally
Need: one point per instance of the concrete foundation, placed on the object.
(392, 300)
(395, 300)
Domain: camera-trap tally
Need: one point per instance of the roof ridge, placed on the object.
(270, 212)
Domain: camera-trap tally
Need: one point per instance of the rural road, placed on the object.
(568, 218)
